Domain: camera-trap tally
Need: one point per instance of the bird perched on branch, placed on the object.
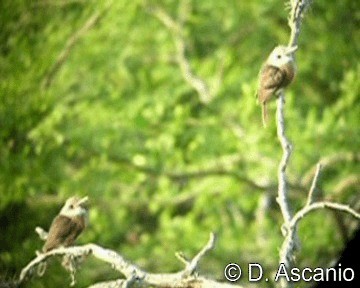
(68, 224)
(277, 73)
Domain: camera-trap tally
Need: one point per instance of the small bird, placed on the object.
(277, 73)
(68, 224)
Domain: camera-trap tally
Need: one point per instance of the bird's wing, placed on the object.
(270, 80)
(78, 224)
(59, 230)
(272, 77)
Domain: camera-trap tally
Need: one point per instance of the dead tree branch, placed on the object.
(291, 242)
(133, 275)
(176, 30)
(322, 205)
(311, 196)
(288, 248)
(287, 149)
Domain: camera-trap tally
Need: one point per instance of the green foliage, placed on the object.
(118, 122)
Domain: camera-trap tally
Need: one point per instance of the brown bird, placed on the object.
(68, 224)
(277, 73)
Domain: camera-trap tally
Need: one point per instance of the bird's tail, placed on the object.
(264, 114)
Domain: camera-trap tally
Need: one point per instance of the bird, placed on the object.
(68, 224)
(277, 72)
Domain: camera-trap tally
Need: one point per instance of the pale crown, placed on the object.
(74, 207)
(280, 56)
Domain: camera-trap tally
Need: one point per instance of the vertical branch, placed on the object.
(298, 7)
(287, 149)
(288, 246)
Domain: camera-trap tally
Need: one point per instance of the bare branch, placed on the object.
(110, 284)
(298, 9)
(282, 198)
(310, 198)
(131, 272)
(190, 77)
(70, 44)
(290, 244)
(291, 239)
(193, 264)
(321, 205)
(165, 19)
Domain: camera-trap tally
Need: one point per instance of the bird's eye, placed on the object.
(71, 206)
(278, 56)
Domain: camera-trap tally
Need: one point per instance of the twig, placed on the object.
(322, 205)
(70, 44)
(190, 77)
(310, 198)
(193, 264)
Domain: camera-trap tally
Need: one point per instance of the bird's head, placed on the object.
(75, 206)
(281, 55)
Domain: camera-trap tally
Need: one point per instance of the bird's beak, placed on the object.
(83, 201)
(291, 50)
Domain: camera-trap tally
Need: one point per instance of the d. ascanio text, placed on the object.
(315, 274)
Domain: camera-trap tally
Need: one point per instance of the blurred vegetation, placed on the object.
(115, 119)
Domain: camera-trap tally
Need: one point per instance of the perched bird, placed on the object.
(68, 224)
(277, 73)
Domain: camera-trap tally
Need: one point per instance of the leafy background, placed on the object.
(117, 121)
